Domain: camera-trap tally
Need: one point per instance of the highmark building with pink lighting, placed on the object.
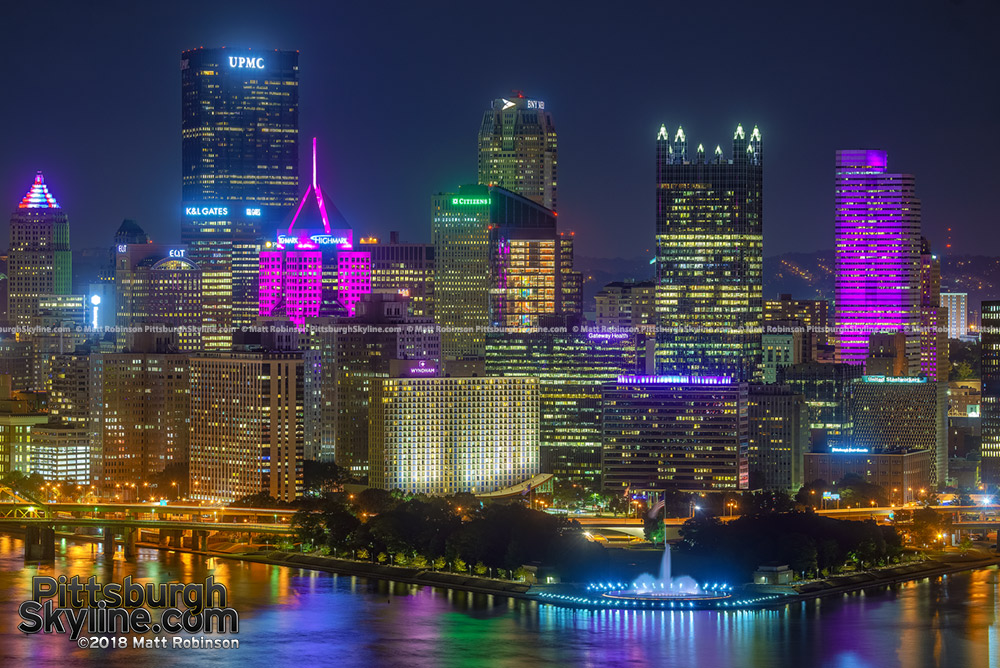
(311, 269)
(877, 254)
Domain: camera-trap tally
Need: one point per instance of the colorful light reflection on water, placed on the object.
(291, 616)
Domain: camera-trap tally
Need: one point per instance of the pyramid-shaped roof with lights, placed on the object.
(38, 197)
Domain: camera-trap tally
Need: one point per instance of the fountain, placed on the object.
(667, 588)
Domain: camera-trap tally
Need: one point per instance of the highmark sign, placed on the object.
(339, 239)
(470, 201)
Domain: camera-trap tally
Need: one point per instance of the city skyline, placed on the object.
(804, 126)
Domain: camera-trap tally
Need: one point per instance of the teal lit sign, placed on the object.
(470, 201)
(894, 379)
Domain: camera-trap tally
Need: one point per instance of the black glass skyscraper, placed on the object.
(240, 161)
(709, 257)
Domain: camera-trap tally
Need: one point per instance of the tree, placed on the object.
(340, 524)
(965, 499)
(479, 568)
(309, 527)
(374, 501)
(440, 563)
(381, 557)
(459, 565)
(811, 494)
(799, 551)
(320, 478)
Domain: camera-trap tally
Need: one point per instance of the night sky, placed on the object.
(396, 91)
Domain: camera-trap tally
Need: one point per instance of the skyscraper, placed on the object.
(39, 262)
(678, 433)
(518, 149)
(934, 361)
(239, 153)
(990, 403)
(709, 257)
(877, 253)
(496, 262)
(957, 305)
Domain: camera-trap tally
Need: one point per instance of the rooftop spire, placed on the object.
(38, 196)
(662, 134)
(739, 132)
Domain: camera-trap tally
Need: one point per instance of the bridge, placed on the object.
(176, 525)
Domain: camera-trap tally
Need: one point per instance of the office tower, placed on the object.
(240, 171)
(240, 130)
(56, 451)
(934, 361)
(16, 362)
(17, 418)
(69, 400)
(811, 312)
(138, 416)
(902, 474)
(827, 392)
(877, 254)
(709, 258)
(518, 149)
(626, 305)
(957, 306)
(312, 265)
(780, 350)
(497, 262)
(684, 433)
(159, 287)
(247, 425)
(990, 406)
(572, 280)
(39, 260)
(778, 437)
(571, 369)
(891, 414)
(887, 356)
(406, 269)
(354, 353)
(454, 434)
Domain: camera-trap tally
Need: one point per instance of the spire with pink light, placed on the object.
(38, 196)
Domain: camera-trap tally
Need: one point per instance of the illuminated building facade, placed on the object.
(69, 400)
(17, 419)
(709, 245)
(405, 269)
(684, 433)
(247, 425)
(957, 308)
(497, 263)
(904, 413)
(312, 262)
(240, 130)
(780, 350)
(990, 404)
(626, 305)
(877, 254)
(518, 149)
(39, 261)
(934, 362)
(240, 171)
(901, 473)
(56, 452)
(778, 437)
(571, 370)
(352, 359)
(827, 392)
(572, 280)
(456, 434)
(158, 285)
(812, 313)
(138, 417)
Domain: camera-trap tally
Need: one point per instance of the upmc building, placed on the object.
(240, 170)
(240, 131)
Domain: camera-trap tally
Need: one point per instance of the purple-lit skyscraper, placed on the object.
(877, 254)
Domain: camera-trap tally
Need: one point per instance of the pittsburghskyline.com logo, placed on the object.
(120, 615)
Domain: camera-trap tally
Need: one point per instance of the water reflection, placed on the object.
(291, 616)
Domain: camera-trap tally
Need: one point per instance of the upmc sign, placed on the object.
(243, 63)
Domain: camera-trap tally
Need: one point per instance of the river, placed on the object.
(293, 617)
